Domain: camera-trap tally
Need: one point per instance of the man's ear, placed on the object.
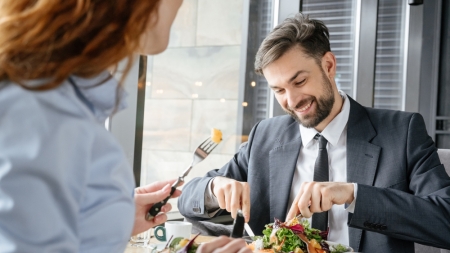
(329, 64)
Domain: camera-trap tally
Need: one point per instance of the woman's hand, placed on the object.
(145, 197)
(224, 244)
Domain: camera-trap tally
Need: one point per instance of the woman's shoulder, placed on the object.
(27, 110)
(27, 101)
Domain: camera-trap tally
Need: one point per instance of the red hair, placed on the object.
(56, 38)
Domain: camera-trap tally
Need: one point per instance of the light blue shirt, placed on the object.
(65, 183)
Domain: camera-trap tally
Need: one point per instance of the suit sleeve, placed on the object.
(191, 203)
(421, 215)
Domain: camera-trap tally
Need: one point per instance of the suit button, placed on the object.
(196, 209)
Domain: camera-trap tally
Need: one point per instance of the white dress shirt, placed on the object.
(336, 134)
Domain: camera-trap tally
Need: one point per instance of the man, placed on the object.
(387, 186)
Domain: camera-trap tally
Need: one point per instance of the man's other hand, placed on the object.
(316, 197)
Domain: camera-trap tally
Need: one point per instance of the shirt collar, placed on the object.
(102, 91)
(333, 130)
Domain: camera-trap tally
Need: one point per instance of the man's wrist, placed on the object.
(211, 186)
(351, 191)
(351, 207)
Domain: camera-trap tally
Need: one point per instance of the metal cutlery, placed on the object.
(200, 153)
(249, 230)
(238, 225)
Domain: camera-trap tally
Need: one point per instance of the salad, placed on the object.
(294, 236)
(183, 245)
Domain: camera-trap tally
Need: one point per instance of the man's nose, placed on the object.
(291, 99)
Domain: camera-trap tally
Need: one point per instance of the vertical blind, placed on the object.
(262, 90)
(339, 17)
(256, 91)
(389, 67)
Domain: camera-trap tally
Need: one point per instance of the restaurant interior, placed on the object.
(391, 54)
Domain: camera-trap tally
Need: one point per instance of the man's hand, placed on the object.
(232, 195)
(224, 245)
(316, 197)
(145, 197)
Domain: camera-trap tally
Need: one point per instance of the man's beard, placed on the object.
(324, 104)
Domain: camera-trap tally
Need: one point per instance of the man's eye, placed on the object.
(301, 82)
(278, 91)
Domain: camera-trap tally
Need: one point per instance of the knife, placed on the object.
(249, 230)
(238, 225)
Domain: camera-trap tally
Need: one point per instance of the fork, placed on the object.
(200, 153)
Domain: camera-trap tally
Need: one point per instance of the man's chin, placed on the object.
(306, 122)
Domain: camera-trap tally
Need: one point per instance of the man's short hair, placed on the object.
(310, 34)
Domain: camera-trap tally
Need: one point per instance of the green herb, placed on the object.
(338, 249)
(291, 240)
(311, 233)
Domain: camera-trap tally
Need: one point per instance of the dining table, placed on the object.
(147, 249)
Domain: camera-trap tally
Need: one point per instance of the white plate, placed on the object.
(249, 239)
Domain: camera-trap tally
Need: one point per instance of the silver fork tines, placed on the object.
(200, 153)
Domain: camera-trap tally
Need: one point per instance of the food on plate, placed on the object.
(294, 236)
(183, 245)
(216, 135)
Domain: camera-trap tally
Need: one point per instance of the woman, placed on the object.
(65, 184)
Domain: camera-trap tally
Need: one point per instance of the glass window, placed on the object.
(389, 68)
(443, 106)
(339, 17)
(202, 81)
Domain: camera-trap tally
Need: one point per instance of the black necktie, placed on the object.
(320, 220)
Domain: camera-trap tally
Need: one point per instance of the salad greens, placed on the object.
(286, 237)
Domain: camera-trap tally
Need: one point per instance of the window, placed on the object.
(339, 17)
(389, 68)
(203, 81)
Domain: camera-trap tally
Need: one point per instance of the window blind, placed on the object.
(388, 88)
(339, 17)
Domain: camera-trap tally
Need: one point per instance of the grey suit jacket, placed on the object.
(403, 189)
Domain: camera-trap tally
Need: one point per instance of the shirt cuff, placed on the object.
(351, 207)
(211, 203)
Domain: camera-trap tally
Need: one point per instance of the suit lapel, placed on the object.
(362, 156)
(283, 161)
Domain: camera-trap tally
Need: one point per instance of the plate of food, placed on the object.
(294, 236)
(179, 245)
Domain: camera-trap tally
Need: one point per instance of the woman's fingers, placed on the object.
(212, 245)
(224, 245)
(155, 186)
(153, 197)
